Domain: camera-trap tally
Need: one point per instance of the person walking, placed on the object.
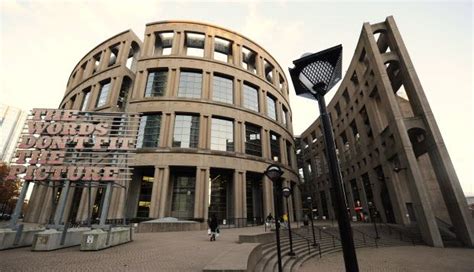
(213, 227)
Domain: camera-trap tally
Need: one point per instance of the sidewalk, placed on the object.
(192, 251)
(404, 258)
(163, 251)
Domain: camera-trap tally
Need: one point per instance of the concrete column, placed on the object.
(114, 92)
(375, 183)
(156, 191)
(165, 181)
(265, 139)
(297, 201)
(175, 46)
(396, 195)
(259, 64)
(168, 129)
(67, 208)
(89, 68)
(123, 52)
(206, 85)
(236, 54)
(208, 46)
(165, 134)
(205, 206)
(138, 91)
(267, 188)
(283, 154)
(78, 102)
(148, 45)
(279, 112)
(362, 194)
(239, 136)
(329, 199)
(180, 35)
(93, 96)
(104, 61)
(47, 207)
(201, 194)
(240, 204)
(262, 102)
(174, 79)
(238, 90)
(205, 132)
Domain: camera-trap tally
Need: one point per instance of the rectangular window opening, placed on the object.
(163, 43)
(249, 60)
(156, 83)
(222, 134)
(194, 44)
(222, 89)
(222, 50)
(190, 84)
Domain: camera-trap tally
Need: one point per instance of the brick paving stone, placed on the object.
(402, 258)
(163, 251)
(192, 251)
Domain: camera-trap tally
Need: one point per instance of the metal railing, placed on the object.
(402, 236)
(308, 241)
(364, 235)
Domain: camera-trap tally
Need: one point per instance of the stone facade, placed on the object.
(211, 101)
(389, 147)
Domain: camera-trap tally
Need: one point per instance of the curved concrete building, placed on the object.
(215, 113)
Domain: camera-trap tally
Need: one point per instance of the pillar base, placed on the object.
(51, 239)
(7, 238)
(98, 239)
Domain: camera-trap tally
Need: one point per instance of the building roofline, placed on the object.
(222, 28)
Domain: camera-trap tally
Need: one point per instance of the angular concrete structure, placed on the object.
(389, 146)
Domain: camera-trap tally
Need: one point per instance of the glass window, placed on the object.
(85, 102)
(182, 200)
(223, 89)
(190, 84)
(271, 107)
(186, 131)
(149, 131)
(275, 146)
(222, 135)
(156, 83)
(250, 97)
(103, 94)
(253, 143)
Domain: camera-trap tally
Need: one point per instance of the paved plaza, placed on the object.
(191, 251)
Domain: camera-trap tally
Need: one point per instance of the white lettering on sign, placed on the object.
(90, 239)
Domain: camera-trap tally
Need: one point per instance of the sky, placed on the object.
(41, 41)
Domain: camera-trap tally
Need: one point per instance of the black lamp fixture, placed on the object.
(274, 173)
(287, 193)
(313, 76)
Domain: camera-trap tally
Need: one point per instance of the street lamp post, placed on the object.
(310, 200)
(274, 173)
(286, 193)
(313, 76)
